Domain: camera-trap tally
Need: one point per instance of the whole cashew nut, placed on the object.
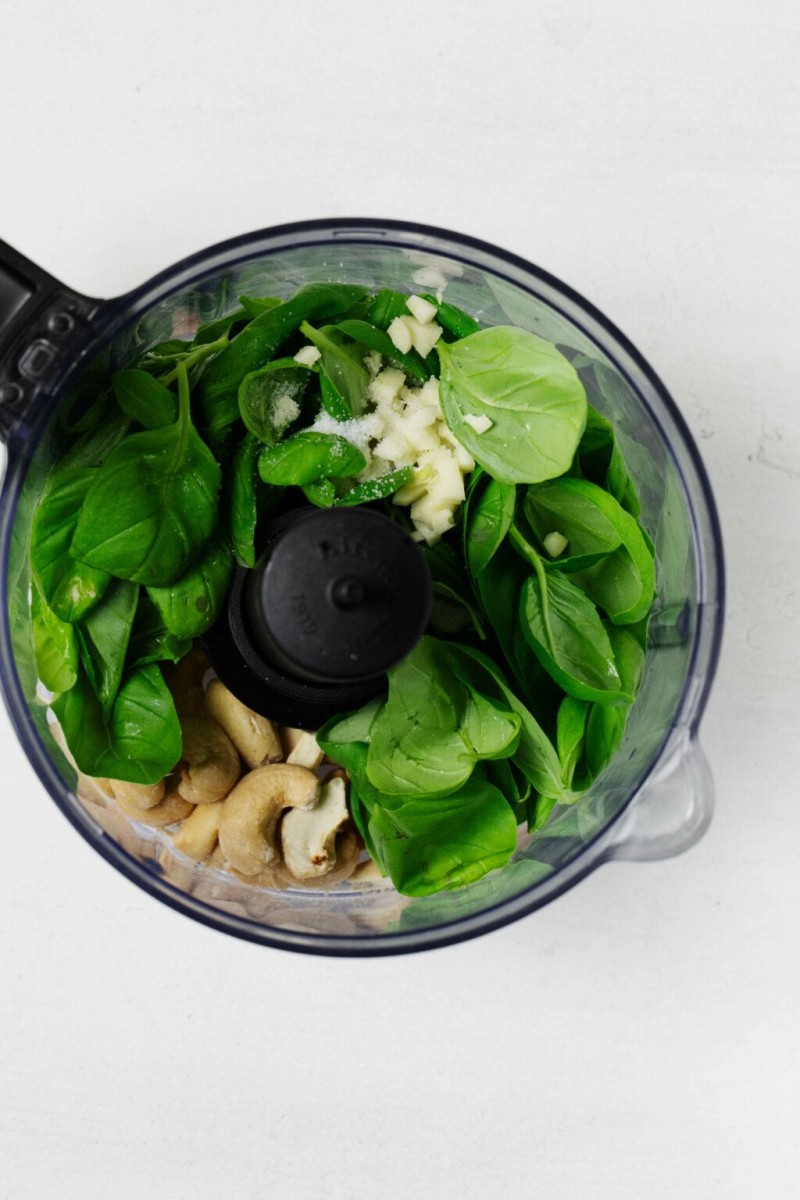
(250, 814)
(209, 765)
(138, 795)
(254, 736)
(198, 834)
(172, 808)
(185, 681)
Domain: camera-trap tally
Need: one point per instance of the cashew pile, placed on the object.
(247, 794)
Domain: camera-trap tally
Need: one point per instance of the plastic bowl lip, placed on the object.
(115, 314)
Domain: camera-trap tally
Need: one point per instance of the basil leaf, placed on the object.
(606, 723)
(55, 647)
(151, 505)
(246, 500)
(212, 331)
(490, 518)
(270, 399)
(351, 727)
(140, 741)
(333, 401)
(70, 588)
(535, 755)
(529, 391)
(191, 604)
(150, 640)
(570, 734)
(343, 364)
(256, 345)
(376, 489)
(489, 730)
(254, 306)
(93, 447)
(321, 492)
(430, 844)
(307, 457)
(415, 740)
(387, 305)
(453, 319)
(144, 399)
(103, 637)
(565, 632)
(376, 339)
(600, 460)
(623, 583)
(578, 511)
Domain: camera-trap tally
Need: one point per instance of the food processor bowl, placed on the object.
(653, 801)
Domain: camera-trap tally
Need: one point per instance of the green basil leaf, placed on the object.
(321, 492)
(453, 319)
(270, 399)
(212, 331)
(570, 734)
(151, 505)
(307, 457)
(247, 499)
(623, 583)
(254, 306)
(150, 640)
(432, 844)
(333, 401)
(565, 632)
(535, 755)
(606, 723)
(103, 637)
(350, 727)
(191, 604)
(70, 588)
(94, 446)
(376, 489)
(343, 363)
(529, 391)
(373, 338)
(489, 730)
(55, 647)
(140, 741)
(256, 345)
(415, 741)
(144, 399)
(387, 305)
(577, 510)
(490, 518)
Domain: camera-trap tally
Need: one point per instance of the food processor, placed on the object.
(653, 801)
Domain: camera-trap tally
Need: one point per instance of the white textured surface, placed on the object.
(639, 1037)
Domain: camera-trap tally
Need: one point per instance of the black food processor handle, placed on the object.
(43, 327)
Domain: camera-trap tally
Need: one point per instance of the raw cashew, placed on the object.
(172, 808)
(209, 765)
(250, 813)
(290, 737)
(198, 834)
(138, 795)
(308, 836)
(348, 852)
(254, 736)
(305, 752)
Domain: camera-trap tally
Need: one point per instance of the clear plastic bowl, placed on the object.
(655, 799)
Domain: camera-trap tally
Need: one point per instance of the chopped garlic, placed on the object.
(479, 423)
(555, 543)
(307, 355)
(422, 309)
(400, 334)
(423, 337)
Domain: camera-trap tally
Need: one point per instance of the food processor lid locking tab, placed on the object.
(337, 597)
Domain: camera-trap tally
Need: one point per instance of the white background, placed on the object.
(639, 1037)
